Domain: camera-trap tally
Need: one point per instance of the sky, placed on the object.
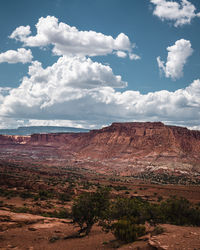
(93, 62)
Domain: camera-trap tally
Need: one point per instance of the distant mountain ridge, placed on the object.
(41, 130)
(144, 149)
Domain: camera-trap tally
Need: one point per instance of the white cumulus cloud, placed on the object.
(180, 13)
(20, 33)
(82, 91)
(78, 91)
(68, 40)
(121, 54)
(176, 59)
(16, 56)
(134, 56)
(66, 81)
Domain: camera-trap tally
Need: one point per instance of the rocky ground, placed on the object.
(31, 232)
(41, 175)
(24, 203)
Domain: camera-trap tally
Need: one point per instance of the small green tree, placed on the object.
(89, 208)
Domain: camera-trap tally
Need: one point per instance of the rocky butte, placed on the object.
(127, 149)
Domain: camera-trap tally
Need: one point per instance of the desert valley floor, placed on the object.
(41, 175)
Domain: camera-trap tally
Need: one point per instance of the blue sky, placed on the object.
(148, 73)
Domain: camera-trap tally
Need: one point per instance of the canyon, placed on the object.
(141, 149)
(41, 175)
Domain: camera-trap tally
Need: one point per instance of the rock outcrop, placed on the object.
(146, 144)
(124, 138)
(14, 139)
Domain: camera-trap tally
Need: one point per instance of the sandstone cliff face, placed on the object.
(135, 138)
(123, 146)
(14, 139)
(119, 138)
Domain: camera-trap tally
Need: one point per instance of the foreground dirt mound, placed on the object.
(124, 148)
(176, 238)
(25, 231)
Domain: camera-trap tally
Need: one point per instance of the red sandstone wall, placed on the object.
(117, 139)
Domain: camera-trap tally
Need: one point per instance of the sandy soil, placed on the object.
(25, 231)
(31, 232)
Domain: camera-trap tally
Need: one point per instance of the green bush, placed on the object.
(180, 212)
(118, 188)
(26, 195)
(65, 197)
(61, 214)
(130, 208)
(21, 210)
(45, 194)
(8, 193)
(130, 213)
(126, 231)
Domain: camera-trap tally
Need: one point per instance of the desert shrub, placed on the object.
(130, 214)
(158, 230)
(127, 231)
(86, 185)
(130, 208)
(180, 212)
(160, 198)
(88, 208)
(36, 197)
(26, 195)
(45, 194)
(65, 197)
(21, 210)
(62, 213)
(118, 188)
(49, 205)
(137, 208)
(45, 214)
(8, 193)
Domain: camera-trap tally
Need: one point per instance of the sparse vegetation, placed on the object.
(118, 188)
(165, 178)
(180, 212)
(26, 195)
(131, 214)
(65, 197)
(21, 210)
(62, 213)
(118, 207)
